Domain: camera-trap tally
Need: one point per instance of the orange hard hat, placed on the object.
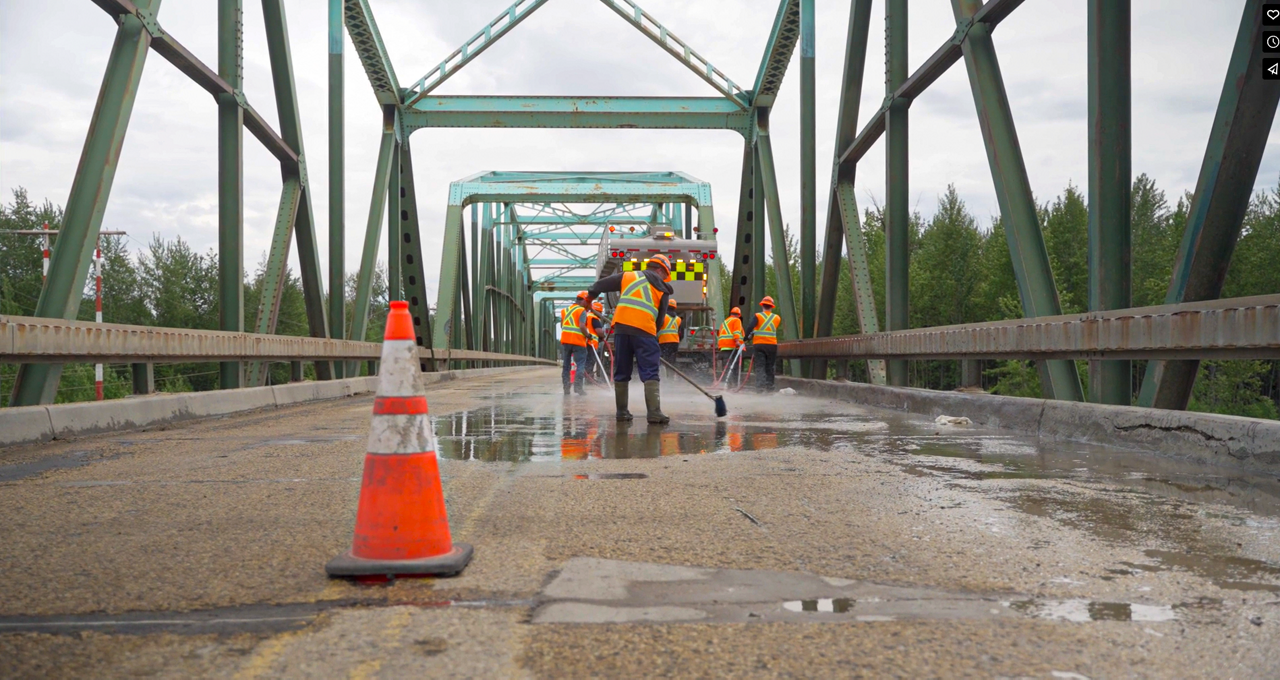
(582, 295)
(671, 302)
(767, 301)
(597, 306)
(661, 260)
(735, 312)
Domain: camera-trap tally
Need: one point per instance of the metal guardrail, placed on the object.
(1237, 328)
(27, 339)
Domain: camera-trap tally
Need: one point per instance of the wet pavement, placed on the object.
(797, 536)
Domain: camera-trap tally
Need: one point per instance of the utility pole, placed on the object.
(44, 233)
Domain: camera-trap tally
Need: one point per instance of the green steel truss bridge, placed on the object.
(494, 297)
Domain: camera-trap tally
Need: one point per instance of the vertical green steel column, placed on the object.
(337, 236)
(411, 262)
(759, 235)
(842, 211)
(90, 189)
(1058, 379)
(477, 293)
(740, 268)
(1110, 177)
(1237, 140)
(808, 173)
(897, 210)
(372, 236)
(777, 235)
(230, 183)
(395, 288)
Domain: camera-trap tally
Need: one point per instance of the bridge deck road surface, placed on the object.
(796, 538)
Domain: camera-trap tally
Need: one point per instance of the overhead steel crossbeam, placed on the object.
(649, 113)
(1240, 328)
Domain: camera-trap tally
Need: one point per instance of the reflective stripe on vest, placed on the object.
(730, 333)
(766, 332)
(671, 331)
(571, 332)
(637, 306)
(593, 338)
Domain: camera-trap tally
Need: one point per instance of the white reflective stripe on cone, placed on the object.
(400, 434)
(398, 374)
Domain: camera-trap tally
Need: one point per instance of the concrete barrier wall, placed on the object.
(1208, 438)
(34, 424)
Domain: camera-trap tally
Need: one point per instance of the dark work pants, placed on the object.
(669, 353)
(641, 349)
(766, 358)
(572, 354)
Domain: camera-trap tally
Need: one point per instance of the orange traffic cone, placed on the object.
(401, 525)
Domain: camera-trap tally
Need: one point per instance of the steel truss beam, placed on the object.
(1110, 183)
(777, 54)
(843, 222)
(1246, 111)
(173, 51)
(655, 31)
(650, 113)
(990, 15)
(90, 189)
(372, 52)
(481, 41)
(1031, 268)
(1240, 328)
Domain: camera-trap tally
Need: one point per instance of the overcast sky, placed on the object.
(53, 52)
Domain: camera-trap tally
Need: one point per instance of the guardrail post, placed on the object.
(144, 378)
(295, 371)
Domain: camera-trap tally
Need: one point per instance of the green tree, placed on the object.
(1066, 237)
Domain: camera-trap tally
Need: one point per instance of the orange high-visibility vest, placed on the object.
(671, 331)
(730, 335)
(592, 339)
(571, 326)
(638, 305)
(766, 331)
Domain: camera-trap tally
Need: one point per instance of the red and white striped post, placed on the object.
(97, 310)
(46, 251)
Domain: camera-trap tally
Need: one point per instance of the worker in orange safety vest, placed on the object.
(573, 342)
(640, 311)
(762, 330)
(728, 340)
(670, 335)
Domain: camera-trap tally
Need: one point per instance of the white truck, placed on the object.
(693, 263)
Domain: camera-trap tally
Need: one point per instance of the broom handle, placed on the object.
(687, 379)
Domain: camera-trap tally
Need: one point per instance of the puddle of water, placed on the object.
(524, 432)
(1225, 571)
(65, 461)
(1088, 610)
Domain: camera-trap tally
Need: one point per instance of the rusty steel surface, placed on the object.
(1239, 328)
(28, 339)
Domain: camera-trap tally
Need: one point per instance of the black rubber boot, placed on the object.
(653, 403)
(566, 389)
(620, 397)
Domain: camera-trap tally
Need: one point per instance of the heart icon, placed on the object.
(1273, 13)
